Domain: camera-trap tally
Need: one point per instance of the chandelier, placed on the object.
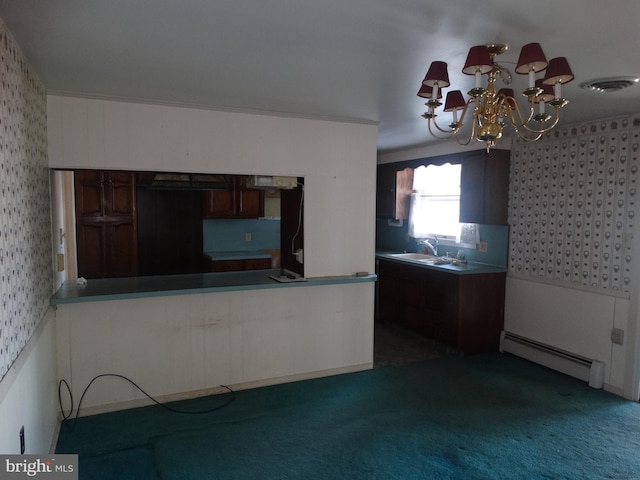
(491, 109)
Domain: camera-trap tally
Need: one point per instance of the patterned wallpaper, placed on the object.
(25, 227)
(572, 204)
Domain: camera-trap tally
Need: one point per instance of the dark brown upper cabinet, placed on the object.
(484, 187)
(237, 201)
(106, 223)
(393, 192)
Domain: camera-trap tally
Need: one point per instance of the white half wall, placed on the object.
(570, 319)
(176, 345)
(29, 395)
(188, 345)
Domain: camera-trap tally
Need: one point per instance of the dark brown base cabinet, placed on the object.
(239, 265)
(465, 312)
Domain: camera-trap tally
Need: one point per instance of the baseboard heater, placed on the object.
(591, 371)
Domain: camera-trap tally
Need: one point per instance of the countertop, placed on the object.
(470, 268)
(165, 285)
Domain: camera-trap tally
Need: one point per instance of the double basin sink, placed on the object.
(443, 262)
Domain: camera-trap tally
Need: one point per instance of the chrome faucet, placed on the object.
(433, 248)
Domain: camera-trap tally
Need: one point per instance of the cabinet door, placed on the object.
(484, 188)
(119, 193)
(472, 190)
(89, 191)
(496, 192)
(393, 192)
(401, 294)
(237, 202)
(386, 192)
(250, 203)
(90, 238)
(106, 223)
(219, 204)
(100, 193)
(106, 249)
(121, 245)
(481, 312)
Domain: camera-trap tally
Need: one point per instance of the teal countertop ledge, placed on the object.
(105, 289)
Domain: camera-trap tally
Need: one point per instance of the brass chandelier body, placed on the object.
(491, 109)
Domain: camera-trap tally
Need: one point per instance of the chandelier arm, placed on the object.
(465, 109)
(447, 133)
(536, 131)
(475, 122)
(463, 143)
(463, 114)
(522, 122)
(542, 128)
(526, 138)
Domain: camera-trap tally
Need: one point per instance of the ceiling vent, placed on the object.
(611, 84)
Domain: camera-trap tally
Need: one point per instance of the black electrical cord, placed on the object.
(66, 417)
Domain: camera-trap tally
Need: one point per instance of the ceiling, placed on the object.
(356, 60)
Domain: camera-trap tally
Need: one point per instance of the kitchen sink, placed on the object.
(445, 262)
(420, 257)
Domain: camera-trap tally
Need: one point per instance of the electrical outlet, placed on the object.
(247, 237)
(22, 445)
(617, 336)
(483, 247)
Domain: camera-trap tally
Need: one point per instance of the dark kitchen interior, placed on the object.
(169, 232)
(145, 223)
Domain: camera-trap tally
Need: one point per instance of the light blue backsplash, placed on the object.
(229, 235)
(396, 239)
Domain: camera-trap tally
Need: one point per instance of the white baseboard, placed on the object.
(174, 397)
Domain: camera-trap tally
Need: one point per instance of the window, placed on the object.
(435, 205)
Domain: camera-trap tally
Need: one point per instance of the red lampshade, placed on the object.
(547, 92)
(510, 96)
(454, 100)
(558, 72)
(437, 74)
(531, 58)
(425, 92)
(478, 59)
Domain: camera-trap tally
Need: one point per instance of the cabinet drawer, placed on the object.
(226, 265)
(239, 265)
(257, 264)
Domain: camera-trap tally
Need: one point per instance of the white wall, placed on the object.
(572, 320)
(189, 344)
(29, 395)
(337, 159)
(254, 336)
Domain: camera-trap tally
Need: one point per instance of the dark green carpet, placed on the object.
(483, 417)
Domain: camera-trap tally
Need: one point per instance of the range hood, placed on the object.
(189, 181)
(272, 182)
